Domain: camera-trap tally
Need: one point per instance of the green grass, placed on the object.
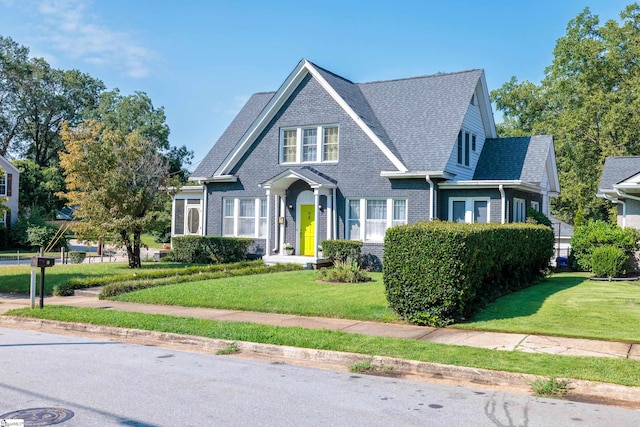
(567, 305)
(147, 240)
(14, 279)
(296, 292)
(616, 371)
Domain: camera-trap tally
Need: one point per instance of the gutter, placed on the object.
(503, 198)
(624, 207)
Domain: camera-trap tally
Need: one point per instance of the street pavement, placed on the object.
(488, 340)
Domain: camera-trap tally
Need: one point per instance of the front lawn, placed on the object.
(297, 292)
(568, 305)
(16, 279)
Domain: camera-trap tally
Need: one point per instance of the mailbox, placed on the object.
(42, 262)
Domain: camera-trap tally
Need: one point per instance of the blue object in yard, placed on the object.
(562, 262)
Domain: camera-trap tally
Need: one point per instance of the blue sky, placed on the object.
(202, 59)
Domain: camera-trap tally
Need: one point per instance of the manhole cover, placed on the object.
(39, 416)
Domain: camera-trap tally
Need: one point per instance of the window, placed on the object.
(3, 184)
(187, 217)
(535, 205)
(244, 217)
(377, 215)
(469, 209)
(467, 142)
(519, 211)
(309, 145)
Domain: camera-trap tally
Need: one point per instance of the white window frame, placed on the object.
(519, 210)
(4, 182)
(260, 222)
(466, 143)
(469, 202)
(319, 144)
(535, 205)
(186, 208)
(390, 219)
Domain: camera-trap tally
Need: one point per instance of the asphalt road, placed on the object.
(105, 383)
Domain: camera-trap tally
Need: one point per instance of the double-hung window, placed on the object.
(469, 209)
(467, 142)
(3, 184)
(244, 217)
(377, 215)
(309, 144)
(535, 205)
(519, 210)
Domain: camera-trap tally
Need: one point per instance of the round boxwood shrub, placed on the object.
(608, 261)
(76, 257)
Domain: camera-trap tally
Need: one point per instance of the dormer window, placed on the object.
(309, 144)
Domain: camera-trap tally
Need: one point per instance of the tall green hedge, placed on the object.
(436, 273)
(209, 249)
(595, 234)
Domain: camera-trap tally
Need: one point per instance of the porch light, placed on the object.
(290, 207)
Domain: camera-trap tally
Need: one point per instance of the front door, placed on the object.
(307, 229)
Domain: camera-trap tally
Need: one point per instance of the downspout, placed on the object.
(205, 197)
(503, 198)
(431, 196)
(623, 203)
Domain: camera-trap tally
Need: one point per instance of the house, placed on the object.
(620, 183)
(325, 158)
(9, 180)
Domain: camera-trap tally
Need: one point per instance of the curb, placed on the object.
(581, 390)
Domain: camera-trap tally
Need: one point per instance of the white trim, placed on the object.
(363, 215)
(491, 184)
(320, 132)
(416, 174)
(519, 210)
(236, 217)
(303, 68)
(486, 112)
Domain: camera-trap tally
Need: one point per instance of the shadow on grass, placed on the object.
(527, 301)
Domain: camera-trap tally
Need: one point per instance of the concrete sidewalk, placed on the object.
(481, 339)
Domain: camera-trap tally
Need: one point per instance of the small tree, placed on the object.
(115, 180)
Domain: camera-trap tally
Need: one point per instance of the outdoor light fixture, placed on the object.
(291, 207)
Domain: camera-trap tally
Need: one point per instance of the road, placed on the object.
(106, 383)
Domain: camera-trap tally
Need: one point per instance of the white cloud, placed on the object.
(72, 30)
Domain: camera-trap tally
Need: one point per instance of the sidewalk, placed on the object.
(481, 339)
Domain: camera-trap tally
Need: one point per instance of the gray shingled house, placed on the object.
(9, 181)
(324, 158)
(620, 183)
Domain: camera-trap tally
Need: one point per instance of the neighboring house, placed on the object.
(324, 158)
(562, 232)
(620, 183)
(9, 180)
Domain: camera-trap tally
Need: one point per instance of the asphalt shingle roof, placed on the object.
(618, 169)
(522, 158)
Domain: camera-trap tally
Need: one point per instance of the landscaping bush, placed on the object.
(344, 272)
(608, 261)
(342, 250)
(536, 217)
(436, 273)
(4, 237)
(599, 233)
(76, 257)
(208, 249)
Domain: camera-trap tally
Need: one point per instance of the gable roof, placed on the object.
(404, 118)
(617, 170)
(7, 166)
(522, 158)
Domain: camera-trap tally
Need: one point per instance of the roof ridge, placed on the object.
(329, 72)
(440, 74)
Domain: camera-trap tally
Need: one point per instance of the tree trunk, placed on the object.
(133, 250)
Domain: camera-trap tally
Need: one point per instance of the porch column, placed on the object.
(267, 245)
(329, 215)
(282, 210)
(316, 201)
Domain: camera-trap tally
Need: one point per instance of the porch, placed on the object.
(308, 262)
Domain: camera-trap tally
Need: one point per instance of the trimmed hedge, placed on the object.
(342, 250)
(115, 289)
(77, 257)
(208, 249)
(66, 289)
(436, 273)
(588, 237)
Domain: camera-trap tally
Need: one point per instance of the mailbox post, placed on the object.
(42, 262)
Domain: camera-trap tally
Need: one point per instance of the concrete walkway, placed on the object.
(488, 340)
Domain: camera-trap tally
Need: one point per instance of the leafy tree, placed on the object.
(39, 187)
(115, 179)
(588, 100)
(13, 71)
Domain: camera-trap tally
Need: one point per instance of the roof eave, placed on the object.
(416, 174)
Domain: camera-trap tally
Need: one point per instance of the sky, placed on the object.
(202, 59)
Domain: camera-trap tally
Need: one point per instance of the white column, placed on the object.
(329, 216)
(282, 211)
(267, 244)
(316, 201)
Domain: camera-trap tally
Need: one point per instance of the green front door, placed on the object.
(307, 229)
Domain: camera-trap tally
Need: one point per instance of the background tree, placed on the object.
(115, 179)
(39, 188)
(588, 100)
(13, 70)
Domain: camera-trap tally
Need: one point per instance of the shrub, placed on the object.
(342, 250)
(436, 273)
(209, 249)
(33, 231)
(76, 257)
(536, 217)
(608, 261)
(599, 233)
(344, 272)
(4, 237)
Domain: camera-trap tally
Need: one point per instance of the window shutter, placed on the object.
(9, 182)
(7, 219)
